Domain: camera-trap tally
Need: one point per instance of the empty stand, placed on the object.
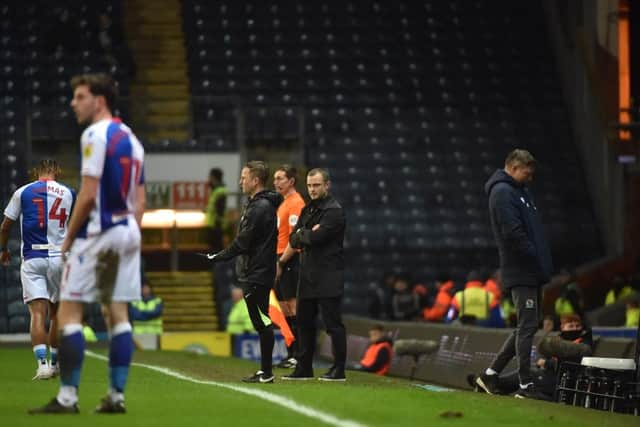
(411, 106)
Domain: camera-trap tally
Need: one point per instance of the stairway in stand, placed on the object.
(160, 88)
(188, 300)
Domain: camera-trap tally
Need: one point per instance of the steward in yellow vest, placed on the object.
(633, 315)
(214, 215)
(618, 292)
(473, 304)
(238, 321)
(146, 314)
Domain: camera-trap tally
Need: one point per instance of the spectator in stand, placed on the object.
(437, 311)
(570, 301)
(405, 303)
(215, 222)
(620, 289)
(377, 358)
(548, 324)
(492, 284)
(474, 305)
(632, 314)
(239, 321)
(379, 297)
(215, 210)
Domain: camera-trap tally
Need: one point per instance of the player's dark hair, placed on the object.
(216, 173)
(99, 84)
(377, 327)
(258, 169)
(289, 171)
(46, 167)
(320, 171)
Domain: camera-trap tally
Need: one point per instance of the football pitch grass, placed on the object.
(185, 389)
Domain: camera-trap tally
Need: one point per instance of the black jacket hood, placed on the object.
(274, 198)
(500, 176)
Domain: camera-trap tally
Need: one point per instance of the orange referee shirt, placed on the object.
(288, 214)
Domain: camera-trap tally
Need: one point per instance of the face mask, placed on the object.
(571, 335)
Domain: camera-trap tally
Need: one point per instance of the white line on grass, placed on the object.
(270, 397)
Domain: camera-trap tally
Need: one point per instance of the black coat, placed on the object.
(525, 259)
(255, 244)
(322, 257)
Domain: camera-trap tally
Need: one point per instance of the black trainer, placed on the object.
(333, 374)
(532, 392)
(259, 377)
(471, 380)
(107, 406)
(488, 383)
(54, 407)
(299, 375)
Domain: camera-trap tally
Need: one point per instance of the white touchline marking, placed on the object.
(270, 397)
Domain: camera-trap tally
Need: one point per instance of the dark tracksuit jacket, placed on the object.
(525, 264)
(255, 245)
(525, 259)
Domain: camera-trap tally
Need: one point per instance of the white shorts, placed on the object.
(40, 278)
(105, 267)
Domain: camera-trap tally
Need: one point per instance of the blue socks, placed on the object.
(71, 354)
(53, 354)
(120, 353)
(40, 351)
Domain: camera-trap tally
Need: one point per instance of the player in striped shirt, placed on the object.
(43, 208)
(104, 243)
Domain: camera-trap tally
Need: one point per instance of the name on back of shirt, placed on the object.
(57, 190)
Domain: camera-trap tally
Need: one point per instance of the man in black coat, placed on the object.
(525, 264)
(254, 249)
(319, 233)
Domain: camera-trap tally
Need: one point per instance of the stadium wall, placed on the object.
(462, 349)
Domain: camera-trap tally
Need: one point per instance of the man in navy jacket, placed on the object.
(525, 264)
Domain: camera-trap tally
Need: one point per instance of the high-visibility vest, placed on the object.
(612, 297)
(371, 355)
(153, 326)
(563, 307)
(238, 321)
(474, 301)
(88, 334)
(507, 309)
(633, 317)
(210, 214)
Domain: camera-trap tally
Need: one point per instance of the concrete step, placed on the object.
(188, 311)
(157, 75)
(191, 303)
(166, 121)
(175, 62)
(195, 326)
(147, 30)
(159, 43)
(162, 291)
(167, 107)
(191, 318)
(153, 12)
(160, 90)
